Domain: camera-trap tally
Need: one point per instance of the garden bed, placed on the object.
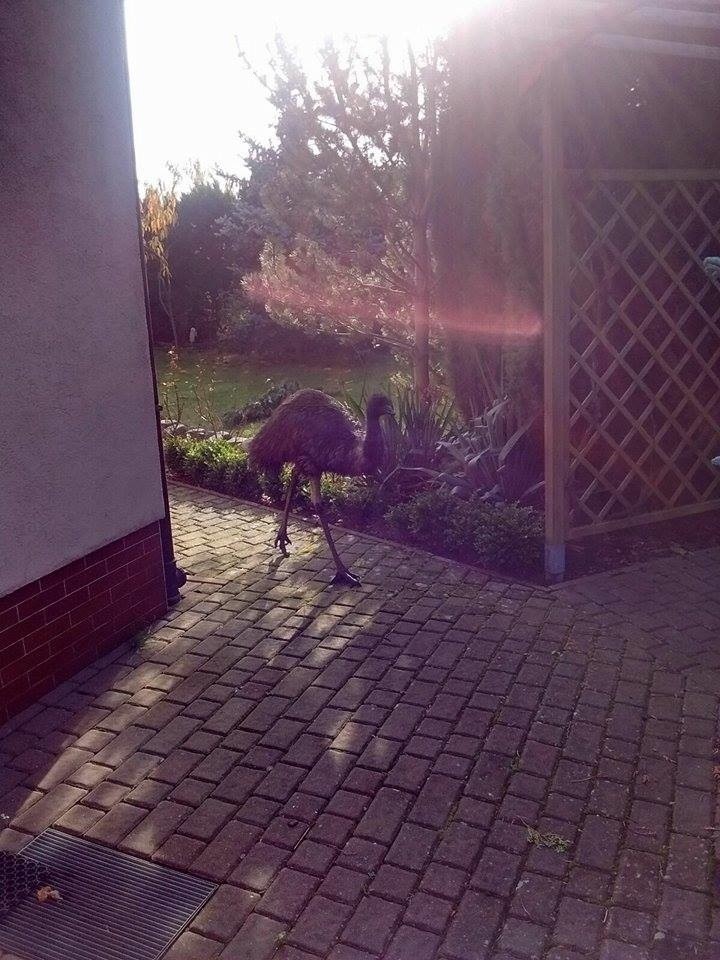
(506, 540)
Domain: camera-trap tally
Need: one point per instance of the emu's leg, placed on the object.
(282, 539)
(343, 575)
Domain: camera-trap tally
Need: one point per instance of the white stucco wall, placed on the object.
(79, 461)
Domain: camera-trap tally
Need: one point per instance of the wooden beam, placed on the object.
(668, 48)
(556, 322)
(560, 38)
(611, 526)
(669, 16)
(645, 176)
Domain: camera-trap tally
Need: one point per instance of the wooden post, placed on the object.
(556, 319)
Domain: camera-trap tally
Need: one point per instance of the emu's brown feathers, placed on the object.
(312, 431)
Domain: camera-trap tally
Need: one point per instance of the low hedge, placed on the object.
(504, 536)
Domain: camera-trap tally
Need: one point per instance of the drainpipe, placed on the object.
(175, 576)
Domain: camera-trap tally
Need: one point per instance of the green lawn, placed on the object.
(226, 382)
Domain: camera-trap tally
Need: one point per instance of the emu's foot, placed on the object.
(281, 541)
(344, 578)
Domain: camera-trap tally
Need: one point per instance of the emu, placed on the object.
(314, 433)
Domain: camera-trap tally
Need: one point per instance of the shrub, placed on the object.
(262, 407)
(436, 518)
(500, 456)
(357, 501)
(511, 537)
(175, 452)
(501, 535)
(217, 464)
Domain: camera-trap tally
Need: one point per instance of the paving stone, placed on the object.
(618, 950)
(412, 847)
(535, 897)
(638, 880)
(412, 942)
(429, 912)
(155, 828)
(313, 857)
(343, 884)
(48, 808)
(435, 801)
(598, 843)
(629, 925)
(192, 946)
(588, 884)
(117, 824)
(256, 869)
(393, 883)
(319, 924)
(684, 912)
(106, 795)
(208, 818)
(473, 927)
(288, 894)
(176, 766)
(688, 861)
(384, 815)
(78, 820)
(578, 924)
(226, 850)
(372, 924)
(257, 939)
(523, 938)
(179, 852)
(460, 845)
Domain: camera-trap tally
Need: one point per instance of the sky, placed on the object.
(190, 93)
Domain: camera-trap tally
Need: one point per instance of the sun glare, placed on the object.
(190, 94)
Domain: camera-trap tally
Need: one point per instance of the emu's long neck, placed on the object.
(372, 448)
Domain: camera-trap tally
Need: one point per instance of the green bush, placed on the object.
(175, 452)
(511, 538)
(501, 535)
(262, 407)
(436, 518)
(218, 464)
(357, 501)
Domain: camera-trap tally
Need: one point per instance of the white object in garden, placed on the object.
(712, 267)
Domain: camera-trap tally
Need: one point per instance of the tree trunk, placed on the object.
(421, 314)
(166, 302)
(421, 351)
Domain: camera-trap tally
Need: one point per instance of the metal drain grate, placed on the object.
(19, 877)
(114, 906)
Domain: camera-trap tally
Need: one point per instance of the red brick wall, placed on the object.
(53, 627)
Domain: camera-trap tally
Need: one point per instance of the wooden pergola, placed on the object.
(631, 320)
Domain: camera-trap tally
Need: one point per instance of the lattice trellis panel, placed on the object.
(644, 348)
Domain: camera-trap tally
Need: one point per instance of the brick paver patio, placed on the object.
(375, 773)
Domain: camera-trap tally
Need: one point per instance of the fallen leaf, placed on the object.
(47, 893)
